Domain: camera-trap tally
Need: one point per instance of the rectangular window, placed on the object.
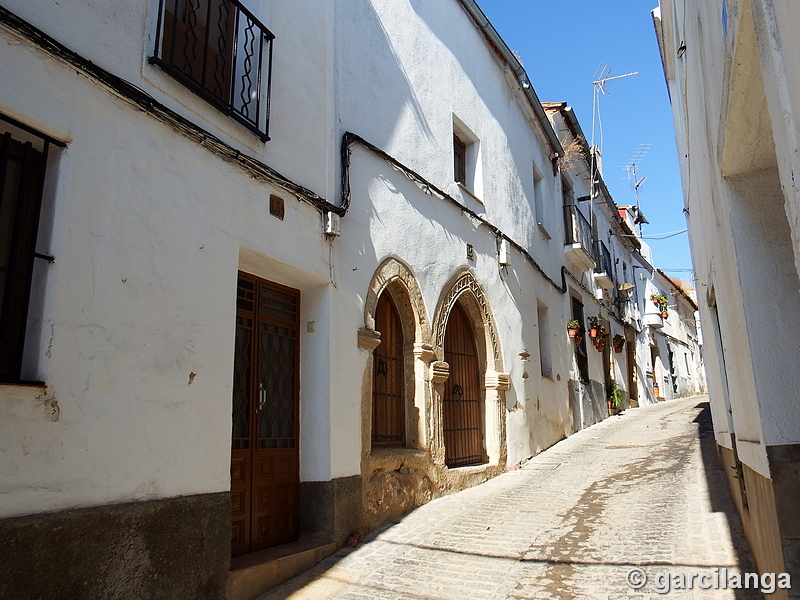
(467, 159)
(544, 341)
(459, 161)
(23, 156)
(222, 52)
(539, 201)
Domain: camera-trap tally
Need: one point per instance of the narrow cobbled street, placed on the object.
(642, 489)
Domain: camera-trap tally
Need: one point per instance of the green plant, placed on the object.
(595, 323)
(660, 300)
(615, 395)
(619, 340)
(574, 324)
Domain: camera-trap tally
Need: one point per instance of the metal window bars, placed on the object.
(577, 228)
(603, 259)
(220, 51)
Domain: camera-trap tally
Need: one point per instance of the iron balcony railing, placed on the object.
(577, 228)
(603, 258)
(220, 51)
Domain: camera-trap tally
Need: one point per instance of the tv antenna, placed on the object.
(631, 169)
(601, 77)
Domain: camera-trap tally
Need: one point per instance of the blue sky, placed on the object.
(561, 44)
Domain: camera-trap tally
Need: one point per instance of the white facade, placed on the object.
(157, 200)
(733, 74)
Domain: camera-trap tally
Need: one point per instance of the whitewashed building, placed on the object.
(733, 77)
(285, 270)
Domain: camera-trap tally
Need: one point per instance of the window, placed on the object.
(23, 156)
(544, 341)
(466, 159)
(460, 160)
(538, 197)
(220, 51)
(388, 393)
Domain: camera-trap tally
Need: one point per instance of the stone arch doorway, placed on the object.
(468, 348)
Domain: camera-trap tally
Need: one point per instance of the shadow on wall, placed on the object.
(371, 49)
(720, 494)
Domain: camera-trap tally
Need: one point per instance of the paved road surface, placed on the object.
(641, 489)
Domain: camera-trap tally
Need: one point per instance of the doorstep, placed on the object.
(254, 573)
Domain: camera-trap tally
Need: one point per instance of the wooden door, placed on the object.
(265, 474)
(462, 419)
(388, 397)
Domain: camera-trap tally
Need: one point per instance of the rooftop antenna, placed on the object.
(631, 169)
(601, 77)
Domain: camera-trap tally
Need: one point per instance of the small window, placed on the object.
(23, 156)
(466, 159)
(544, 341)
(222, 52)
(460, 160)
(388, 383)
(538, 196)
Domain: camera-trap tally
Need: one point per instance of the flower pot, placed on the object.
(578, 340)
(664, 315)
(618, 349)
(593, 333)
(572, 332)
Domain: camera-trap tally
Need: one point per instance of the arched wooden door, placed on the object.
(463, 398)
(388, 406)
(265, 472)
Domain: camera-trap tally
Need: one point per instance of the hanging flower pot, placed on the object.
(619, 343)
(593, 333)
(664, 315)
(573, 327)
(578, 340)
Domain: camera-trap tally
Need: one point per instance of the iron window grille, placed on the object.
(577, 228)
(23, 157)
(603, 258)
(220, 51)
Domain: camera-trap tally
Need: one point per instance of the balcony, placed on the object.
(604, 270)
(578, 242)
(221, 52)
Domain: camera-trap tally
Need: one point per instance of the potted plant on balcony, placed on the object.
(619, 343)
(594, 327)
(573, 327)
(661, 302)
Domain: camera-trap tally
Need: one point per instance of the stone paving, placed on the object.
(642, 489)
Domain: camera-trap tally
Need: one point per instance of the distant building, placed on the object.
(733, 75)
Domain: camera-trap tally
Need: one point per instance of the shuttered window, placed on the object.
(23, 155)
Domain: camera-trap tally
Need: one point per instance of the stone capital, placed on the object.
(368, 339)
(494, 380)
(440, 371)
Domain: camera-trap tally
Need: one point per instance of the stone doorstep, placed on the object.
(254, 573)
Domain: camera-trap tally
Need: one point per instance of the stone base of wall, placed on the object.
(769, 512)
(166, 549)
(587, 403)
(784, 464)
(331, 508)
